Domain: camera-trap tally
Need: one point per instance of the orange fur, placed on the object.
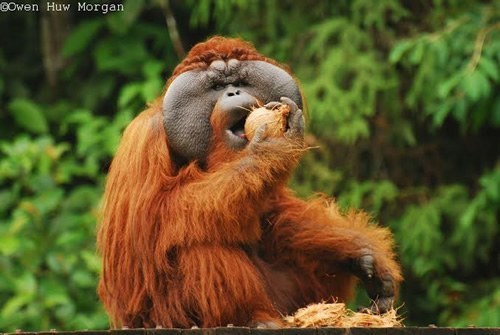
(227, 243)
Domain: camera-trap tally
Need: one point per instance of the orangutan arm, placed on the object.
(317, 229)
(224, 204)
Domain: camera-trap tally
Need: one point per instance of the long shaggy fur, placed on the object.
(228, 243)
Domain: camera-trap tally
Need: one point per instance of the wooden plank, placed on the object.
(281, 331)
(478, 331)
(156, 331)
(333, 331)
(367, 331)
(300, 331)
(127, 331)
(266, 331)
(403, 331)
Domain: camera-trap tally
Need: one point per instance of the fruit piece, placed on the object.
(275, 119)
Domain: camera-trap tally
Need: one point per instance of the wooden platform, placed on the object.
(284, 331)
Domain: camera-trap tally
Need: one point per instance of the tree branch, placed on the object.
(172, 28)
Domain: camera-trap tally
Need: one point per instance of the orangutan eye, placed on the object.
(240, 83)
(218, 87)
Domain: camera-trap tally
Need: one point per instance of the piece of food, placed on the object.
(275, 119)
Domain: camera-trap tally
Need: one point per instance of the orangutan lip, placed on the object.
(238, 128)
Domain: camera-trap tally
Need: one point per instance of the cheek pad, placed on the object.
(187, 107)
(189, 102)
(269, 83)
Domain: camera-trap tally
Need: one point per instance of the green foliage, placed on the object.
(53, 166)
(456, 69)
(28, 115)
(451, 220)
(402, 99)
(45, 282)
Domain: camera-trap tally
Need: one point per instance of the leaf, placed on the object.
(70, 238)
(351, 131)
(131, 54)
(151, 88)
(440, 49)
(7, 199)
(14, 305)
(92, 261)
(488, 67)
(28, 115)
(53, 292)
(80, 37)
(407, 134)
(460, 111)
(417, 53)
(152, 69)
(448, 85)
(491, 186)
(9, 245)
(134, 8)
(466, 220)
(48, 200)
(83, 278)
(475, 85)
(399, 50)
(440, 114)
(26, 284)
(120, 22)
(382, 192)
(128, 93)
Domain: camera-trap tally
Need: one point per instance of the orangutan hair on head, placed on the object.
(198, 224)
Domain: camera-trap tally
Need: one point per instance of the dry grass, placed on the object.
(338, 315)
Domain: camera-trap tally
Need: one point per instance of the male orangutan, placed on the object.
(199, 227)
